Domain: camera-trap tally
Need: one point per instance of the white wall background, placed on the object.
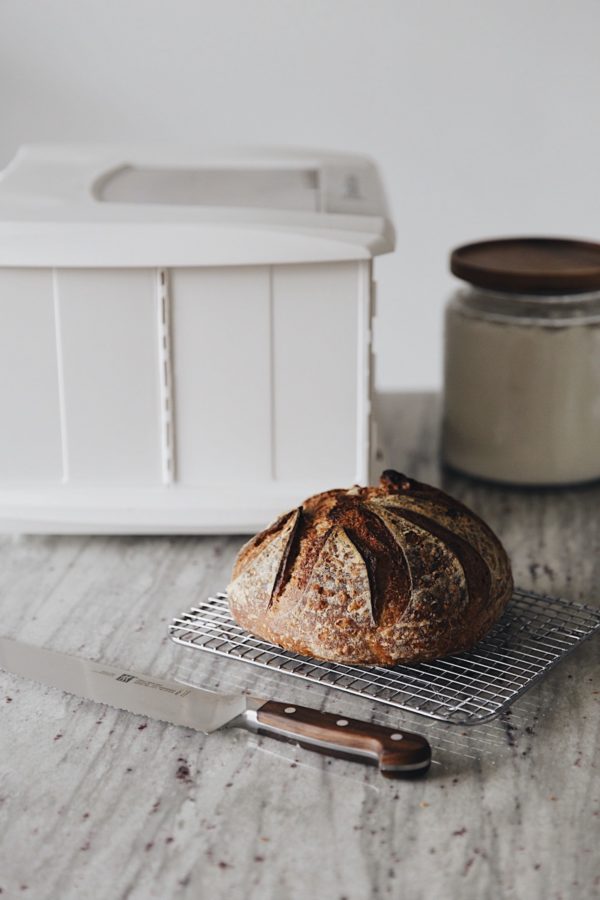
(484, 115)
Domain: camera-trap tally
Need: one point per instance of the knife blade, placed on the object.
(397, 753)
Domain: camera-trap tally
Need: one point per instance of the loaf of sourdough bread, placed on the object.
(398, 573)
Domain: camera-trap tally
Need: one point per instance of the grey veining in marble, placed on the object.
(96, 803)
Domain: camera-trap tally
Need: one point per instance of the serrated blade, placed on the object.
(143, 695)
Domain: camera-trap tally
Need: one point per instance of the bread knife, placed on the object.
(397, 753)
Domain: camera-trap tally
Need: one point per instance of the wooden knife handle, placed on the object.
(397, 753)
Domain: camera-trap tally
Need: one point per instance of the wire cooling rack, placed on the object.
(535, 633)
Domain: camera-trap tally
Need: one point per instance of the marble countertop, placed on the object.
(97, 803)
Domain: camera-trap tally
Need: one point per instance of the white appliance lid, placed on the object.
(94, 205)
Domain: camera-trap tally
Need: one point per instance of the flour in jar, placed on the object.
(522, 398)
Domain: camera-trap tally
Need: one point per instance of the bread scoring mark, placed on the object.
(477, 573)
(382, 516)
(253, 581)
(370, 563)
(378, 547)
(349, 601)
(439, 585)
(290, 552)
(252, 547)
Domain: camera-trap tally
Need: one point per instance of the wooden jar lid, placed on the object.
(534, 265)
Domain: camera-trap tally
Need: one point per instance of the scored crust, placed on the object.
(401, 572)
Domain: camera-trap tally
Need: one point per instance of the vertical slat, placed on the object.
(272, 429)
(30, 438)
(315, 372)
(165, 371)
(61, 380)
(109, 336)
(221, 358)
(364, 372)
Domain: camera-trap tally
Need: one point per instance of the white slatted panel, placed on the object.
(109, 336)
(221, 362)
(315, 320)
(30, 440)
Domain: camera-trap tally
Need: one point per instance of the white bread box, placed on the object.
(186, 338)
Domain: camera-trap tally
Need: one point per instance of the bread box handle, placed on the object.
(397, 753)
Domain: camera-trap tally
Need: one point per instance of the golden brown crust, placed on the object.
(373, 576)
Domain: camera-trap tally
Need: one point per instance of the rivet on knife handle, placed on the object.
(397, 753)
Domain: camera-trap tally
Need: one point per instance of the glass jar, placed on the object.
(522, 381)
